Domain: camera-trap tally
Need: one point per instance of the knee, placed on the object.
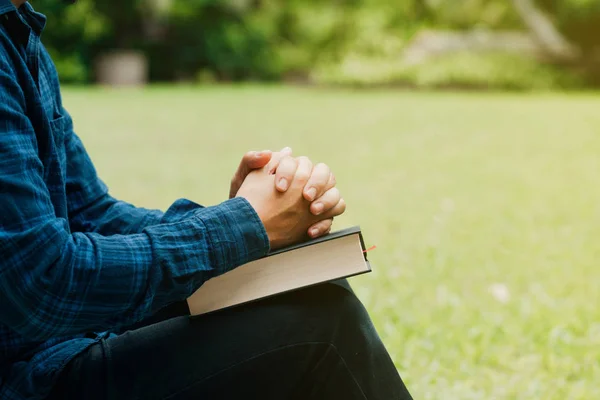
(344, 305)
(335, 311)
(351, 313)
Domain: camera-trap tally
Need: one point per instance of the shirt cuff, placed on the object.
(180, 210)
(236, 235)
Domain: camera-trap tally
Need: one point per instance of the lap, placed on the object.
(261, 349)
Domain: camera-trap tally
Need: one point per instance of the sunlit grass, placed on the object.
(485, 209)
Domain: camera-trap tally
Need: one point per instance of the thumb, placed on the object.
(256, 160)
(251, 160)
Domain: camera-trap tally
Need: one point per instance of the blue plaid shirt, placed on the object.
(76, 264)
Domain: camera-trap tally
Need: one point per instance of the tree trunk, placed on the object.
(542, 29)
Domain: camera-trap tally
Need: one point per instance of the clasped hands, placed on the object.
(294, 199)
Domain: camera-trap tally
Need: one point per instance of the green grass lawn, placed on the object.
(485, 209)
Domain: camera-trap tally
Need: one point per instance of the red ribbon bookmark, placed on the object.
(369, 249)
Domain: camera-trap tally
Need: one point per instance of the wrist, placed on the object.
(238, 218)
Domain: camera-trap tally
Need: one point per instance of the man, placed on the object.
(92, 289)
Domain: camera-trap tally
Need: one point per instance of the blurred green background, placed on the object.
(483, 202)
(502, 44)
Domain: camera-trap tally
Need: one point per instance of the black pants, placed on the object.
(316, 343)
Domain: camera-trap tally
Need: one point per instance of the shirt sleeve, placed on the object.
(90, 206)
(54, 282)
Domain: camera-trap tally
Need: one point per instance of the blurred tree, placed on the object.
(277, 39)
(69, 33)
(579, 23)
(213, 36)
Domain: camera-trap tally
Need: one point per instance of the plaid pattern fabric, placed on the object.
(75, 263)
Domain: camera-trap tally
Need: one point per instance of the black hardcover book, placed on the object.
(335, 256)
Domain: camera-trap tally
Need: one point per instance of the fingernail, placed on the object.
(311, 193)
(286, 149)
(314, 232)
(282, 184)
(259, 154)
(318, 208)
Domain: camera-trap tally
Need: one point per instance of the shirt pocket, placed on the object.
(47, 94)
(58, 132)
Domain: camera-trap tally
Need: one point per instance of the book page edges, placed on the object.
(280, 273)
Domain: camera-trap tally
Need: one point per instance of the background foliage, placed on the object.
(329, 41)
